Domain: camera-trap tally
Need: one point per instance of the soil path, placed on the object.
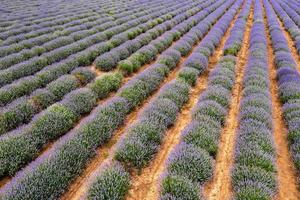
(105, 153)
(220, 186)
(145, 184)
(290, 43)
(4, 181)
(48, 146)
(287, 184)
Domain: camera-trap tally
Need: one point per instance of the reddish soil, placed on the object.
(287, 179)
(220, 185)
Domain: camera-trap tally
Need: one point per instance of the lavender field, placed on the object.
(150, 100)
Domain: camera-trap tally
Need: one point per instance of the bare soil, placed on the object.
(291, 44)
(220, 186)
(145, 184)
(105, 153)
(287, 179)
(97, 71)
(4, 181)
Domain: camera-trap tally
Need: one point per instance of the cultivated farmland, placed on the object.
(150, 100)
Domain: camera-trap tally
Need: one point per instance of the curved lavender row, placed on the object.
(23, 109)
(17, 107)
(289, 83)
(291, 13)
(85, 30)
(78, 146)
(134, 150)
(289, 24)
(234, 42)
(254, 172)
(147, 53)
(36, 81)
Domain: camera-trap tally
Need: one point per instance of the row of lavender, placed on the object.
(149, 53)
(190, 164)
(187, 24)
(288, 80)
(135, 150)
(288, 22)
(50, 73)
(254, 172)
(68, 157)
(72, 35)
(291, 10)
(19, 14)
(11, 157)
(31, 48)
(23, 109)
(144, 137)
(65, 29)
(143, 55)
(24, 24)
(115, 35)
(91, 133)
(293, 4)
(32, 27)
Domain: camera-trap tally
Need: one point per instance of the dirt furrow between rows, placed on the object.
(46, 148)
(6, 179)
(290, 43)
(219, 188)
(287, 181)
(106, 152)
(145, 184)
